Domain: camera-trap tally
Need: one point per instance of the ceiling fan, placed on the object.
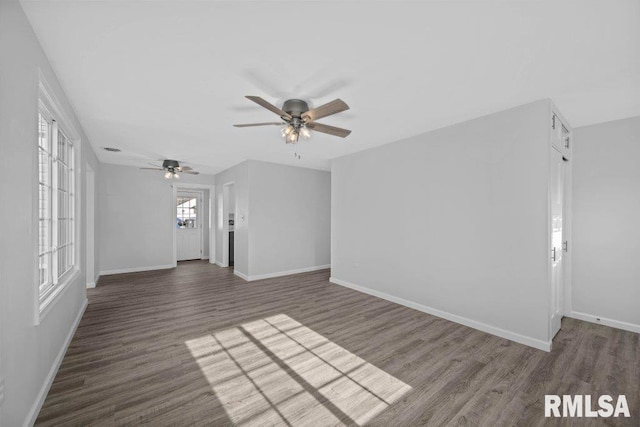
(171, 168)
(299, 119)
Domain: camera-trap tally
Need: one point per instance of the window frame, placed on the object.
(50, 108)
(190, 215)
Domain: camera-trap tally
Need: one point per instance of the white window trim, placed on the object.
(48, 102)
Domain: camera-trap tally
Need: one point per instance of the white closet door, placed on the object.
(557, 238)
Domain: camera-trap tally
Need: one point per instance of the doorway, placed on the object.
(189, 225)
(228, 224)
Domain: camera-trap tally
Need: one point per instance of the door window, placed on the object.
(186, 212)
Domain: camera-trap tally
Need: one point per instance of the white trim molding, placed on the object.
(91, 285)
(241, 275)
(136, 269)
(37, 405)
(49, 104)
(45, 308)
(282, 273)
(604, 321)
(502, 333)
(225, 220)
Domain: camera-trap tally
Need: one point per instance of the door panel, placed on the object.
(557, 238)
(188, 244)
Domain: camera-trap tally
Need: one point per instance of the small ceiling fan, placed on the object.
(171, 168)
(299, 119)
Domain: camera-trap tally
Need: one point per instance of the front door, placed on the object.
(189, 225)
(557, 239)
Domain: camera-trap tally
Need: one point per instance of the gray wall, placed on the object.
(282, 218)
(137, 218)
(606, 226)
(28, 353)
(290, 218)
(455, 220)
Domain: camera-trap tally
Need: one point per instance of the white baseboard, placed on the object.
(205, 257)
(285, 273)
(219, 264)
(241, 275)
(37, 405)
(502, 333)
(136, 269)
(91, 285)
(604, 321)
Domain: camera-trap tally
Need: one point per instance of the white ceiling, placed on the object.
(167, 79)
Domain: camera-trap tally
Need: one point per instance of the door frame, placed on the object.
(225, 220)
(211, 209)
(567, 224)
(557, 190)
(199, 196)
(90, 253)
(567, 306)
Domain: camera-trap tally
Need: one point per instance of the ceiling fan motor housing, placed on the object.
(295, 107)
(170, 164)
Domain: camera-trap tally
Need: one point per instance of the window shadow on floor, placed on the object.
(278, 371)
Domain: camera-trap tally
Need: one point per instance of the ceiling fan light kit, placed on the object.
(300, 120)
(291, 134)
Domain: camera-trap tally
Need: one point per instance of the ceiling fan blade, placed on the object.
(184, 168)
(331, 130)
(153, 169)
(333, 107)
(259, 124)
(191, 172)
(269, 107)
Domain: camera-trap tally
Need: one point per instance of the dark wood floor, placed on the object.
(198, 346)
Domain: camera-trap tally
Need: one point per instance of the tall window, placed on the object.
(56, 206)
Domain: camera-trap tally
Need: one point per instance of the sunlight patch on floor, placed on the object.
(276, 370)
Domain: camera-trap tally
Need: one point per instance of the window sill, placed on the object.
(45, 306)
